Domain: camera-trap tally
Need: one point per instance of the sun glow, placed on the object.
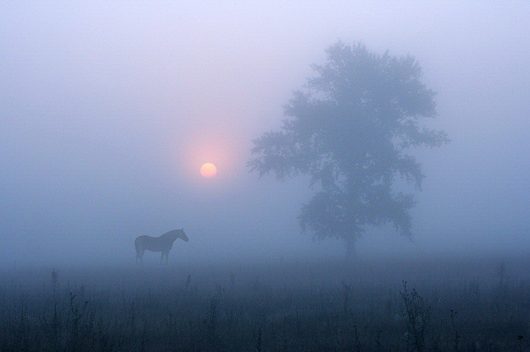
(208, 170)
(207, 156)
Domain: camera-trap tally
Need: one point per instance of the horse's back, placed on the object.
(150, 243)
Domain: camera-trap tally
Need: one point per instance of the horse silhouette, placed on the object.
(161, 244)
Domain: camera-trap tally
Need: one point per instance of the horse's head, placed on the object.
(183, 235)
(178, 233)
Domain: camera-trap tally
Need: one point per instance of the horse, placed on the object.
(161, 244)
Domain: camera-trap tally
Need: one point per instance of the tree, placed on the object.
(351, 129)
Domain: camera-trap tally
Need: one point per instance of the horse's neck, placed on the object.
(170, 239)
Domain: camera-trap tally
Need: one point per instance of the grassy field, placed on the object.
(407, 305)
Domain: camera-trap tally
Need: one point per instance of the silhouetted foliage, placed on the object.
(351, 130)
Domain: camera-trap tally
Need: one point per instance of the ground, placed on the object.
(431, 304)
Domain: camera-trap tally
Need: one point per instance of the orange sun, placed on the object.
(208, 170)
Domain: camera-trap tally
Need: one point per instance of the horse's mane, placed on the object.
(170, 233)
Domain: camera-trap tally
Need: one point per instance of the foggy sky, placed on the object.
(107, 110)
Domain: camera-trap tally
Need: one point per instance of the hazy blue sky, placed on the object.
(107, 110)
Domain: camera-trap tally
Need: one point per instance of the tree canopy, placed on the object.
(351, 129)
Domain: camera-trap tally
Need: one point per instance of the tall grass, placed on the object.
(296, 307)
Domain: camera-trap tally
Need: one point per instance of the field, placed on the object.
(402, 305)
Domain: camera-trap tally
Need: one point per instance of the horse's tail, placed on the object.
(138, 247)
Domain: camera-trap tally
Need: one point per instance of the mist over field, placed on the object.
(108, 110)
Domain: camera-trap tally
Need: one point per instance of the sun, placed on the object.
(208, 170)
